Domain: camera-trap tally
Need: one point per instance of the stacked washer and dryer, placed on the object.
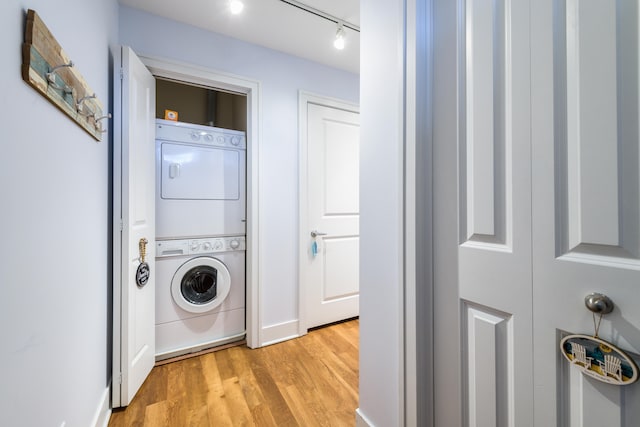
(200, 237)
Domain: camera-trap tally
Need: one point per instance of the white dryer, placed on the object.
(200, 181)
(200, 294)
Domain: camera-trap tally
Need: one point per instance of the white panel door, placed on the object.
(134, 194)
(586, 199)
(330, 266)
(548, 185)
(494, 249)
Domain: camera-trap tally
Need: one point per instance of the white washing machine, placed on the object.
(200, 181)
(200, 294)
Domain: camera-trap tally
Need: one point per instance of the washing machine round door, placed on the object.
(200, 284)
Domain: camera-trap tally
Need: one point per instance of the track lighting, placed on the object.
(338, 42)
(236, 6)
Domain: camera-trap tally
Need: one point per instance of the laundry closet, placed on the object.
(201, 221)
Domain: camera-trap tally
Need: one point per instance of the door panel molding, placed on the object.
(485, 152)
(597, 181)
(488, 354)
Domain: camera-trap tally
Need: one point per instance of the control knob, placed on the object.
(208, 137)
(234, 244)
(235, 140)
(217, 245)
(195, 246)
(206, 246)
(195, 136)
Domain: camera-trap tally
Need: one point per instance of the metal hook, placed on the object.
(81, 101)
(106, 116)
(97, 119)
(51, 78)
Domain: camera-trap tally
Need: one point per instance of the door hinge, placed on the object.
(119, 378)
(121, 74)
(121, 224)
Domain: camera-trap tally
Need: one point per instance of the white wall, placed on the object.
(55, 247)
(281, 77)
(381, 212)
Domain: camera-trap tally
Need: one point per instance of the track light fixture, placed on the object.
(338, 42)
(321, 14)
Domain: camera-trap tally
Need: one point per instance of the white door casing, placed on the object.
(134, 215)
(205, 77)
(547, 176)
(329, 205)
(586, 198)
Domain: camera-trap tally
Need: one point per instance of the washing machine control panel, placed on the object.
(165, 248)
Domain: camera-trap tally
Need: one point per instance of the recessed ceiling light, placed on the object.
(236, 6)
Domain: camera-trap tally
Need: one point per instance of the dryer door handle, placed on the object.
(174, 170)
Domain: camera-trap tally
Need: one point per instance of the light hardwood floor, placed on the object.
(307, 381)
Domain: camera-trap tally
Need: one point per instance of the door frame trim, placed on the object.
(162, 67)
(304, 99)
(116, 234)
(418, 268)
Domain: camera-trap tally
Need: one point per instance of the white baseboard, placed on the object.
(279, 332)
(103, 413)
(361, 420)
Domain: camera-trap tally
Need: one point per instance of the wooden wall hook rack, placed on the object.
(46, 67)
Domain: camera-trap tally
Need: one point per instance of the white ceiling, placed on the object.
(273, 24)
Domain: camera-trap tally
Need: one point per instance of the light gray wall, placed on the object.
(55, 250)
(381, 212)
(281, 77)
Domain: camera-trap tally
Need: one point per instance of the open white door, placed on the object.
(586, 198)
(547, 170)
(134, 217)
(494, 251)
(329, 212)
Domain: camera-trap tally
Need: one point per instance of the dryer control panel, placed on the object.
(167, 130)
(207, 245)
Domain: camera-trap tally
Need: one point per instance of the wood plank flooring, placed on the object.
(307, 381)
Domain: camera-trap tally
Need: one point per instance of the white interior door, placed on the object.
(548, 180)
(495, 216)
(134, 209)
(586, 198)
(330, 215)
